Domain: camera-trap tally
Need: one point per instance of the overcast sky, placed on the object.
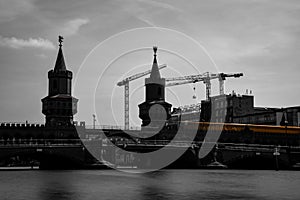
(257, 37)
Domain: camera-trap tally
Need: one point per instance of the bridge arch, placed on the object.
(48, 157)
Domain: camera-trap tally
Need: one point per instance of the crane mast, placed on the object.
(221, 86)
(207, 83)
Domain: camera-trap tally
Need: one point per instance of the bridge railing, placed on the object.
(153, 143)
(68, 142)
(232, 146)
(39, 142)
(111, 127)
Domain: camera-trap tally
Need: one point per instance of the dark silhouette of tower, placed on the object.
(59, 106)
(155, 98)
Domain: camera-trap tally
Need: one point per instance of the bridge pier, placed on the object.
(256, 160)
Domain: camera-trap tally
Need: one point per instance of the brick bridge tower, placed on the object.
(155, 108)
(59, 106)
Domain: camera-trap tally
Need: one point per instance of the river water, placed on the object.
(165, 184)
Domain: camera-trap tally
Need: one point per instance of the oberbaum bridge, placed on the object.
(64, 144)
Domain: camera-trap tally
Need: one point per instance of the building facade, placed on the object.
(234, 108)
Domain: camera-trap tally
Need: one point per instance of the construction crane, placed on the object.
(222, 78)
(125, 82)
(205, 78)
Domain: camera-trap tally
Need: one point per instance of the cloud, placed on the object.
(147, 6)
(12, 8)
(149, 12)
(17, 43)
(72, 27)
(148, 22)
(162, 5)
(41, 56)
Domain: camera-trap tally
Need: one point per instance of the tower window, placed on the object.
(159, 91)
(54, 84)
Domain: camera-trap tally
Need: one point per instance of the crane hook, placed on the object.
(194, 96)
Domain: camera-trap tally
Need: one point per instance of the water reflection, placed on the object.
(165, 185)
(151, 187)
(57, 185)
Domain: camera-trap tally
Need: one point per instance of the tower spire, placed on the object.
(155, 74)
(155, 50)
(60, 61)
(60, 40)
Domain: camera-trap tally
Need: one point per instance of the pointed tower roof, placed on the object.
(60, 61)
(283, 121)
(155, 74)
